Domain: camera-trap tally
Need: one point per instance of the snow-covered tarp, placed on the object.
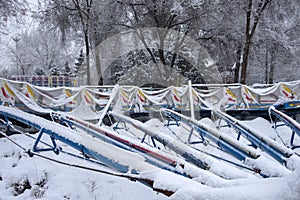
(23, 177)
(93, 99)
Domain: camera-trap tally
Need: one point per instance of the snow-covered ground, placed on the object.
(24, 177)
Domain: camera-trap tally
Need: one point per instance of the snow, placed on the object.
(25, 177)
(60, 182)
(71, 183)
(273, 188)
(50, 180)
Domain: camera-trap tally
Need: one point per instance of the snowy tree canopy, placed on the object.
(221, 27)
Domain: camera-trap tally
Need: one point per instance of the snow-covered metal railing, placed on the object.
(110, 155)
(184, 150)
(153, 156)
(201, 158)
(274, 149)
(289, 122)
(238, 150)
(55, 132)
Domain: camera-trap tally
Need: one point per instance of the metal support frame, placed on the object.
(4, 125)
(53, 148)
(222, 144)
(152, 140)
(202, 140)
(235, 151)
(56, 136)
(239, 133)
(286, 121)
(173, 118)
(116, 127)
(108, 137)
(63, 122)
(8, 125)
(256, 142)
(277, 125)
(292, 141)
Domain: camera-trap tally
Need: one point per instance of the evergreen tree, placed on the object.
(67, 69)
(39, 71)
(78, 63)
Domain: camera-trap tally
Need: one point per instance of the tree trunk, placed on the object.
(162, 35)
(98, 67)
(266, 65)
(237, 64)
(250, 32)
(245, 62)
(272, 68)
(87, 53)
(247, 43)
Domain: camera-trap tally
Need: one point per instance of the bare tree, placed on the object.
(67, 13)
(253, 14)
(39, 49)
(11, 8)
(166, 17)
(254, 34)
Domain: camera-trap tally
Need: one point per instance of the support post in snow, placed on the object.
(105, 109)
(289, 122)
(191, 99)
(54, 148)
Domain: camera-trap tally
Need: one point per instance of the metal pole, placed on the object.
(191, 99)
